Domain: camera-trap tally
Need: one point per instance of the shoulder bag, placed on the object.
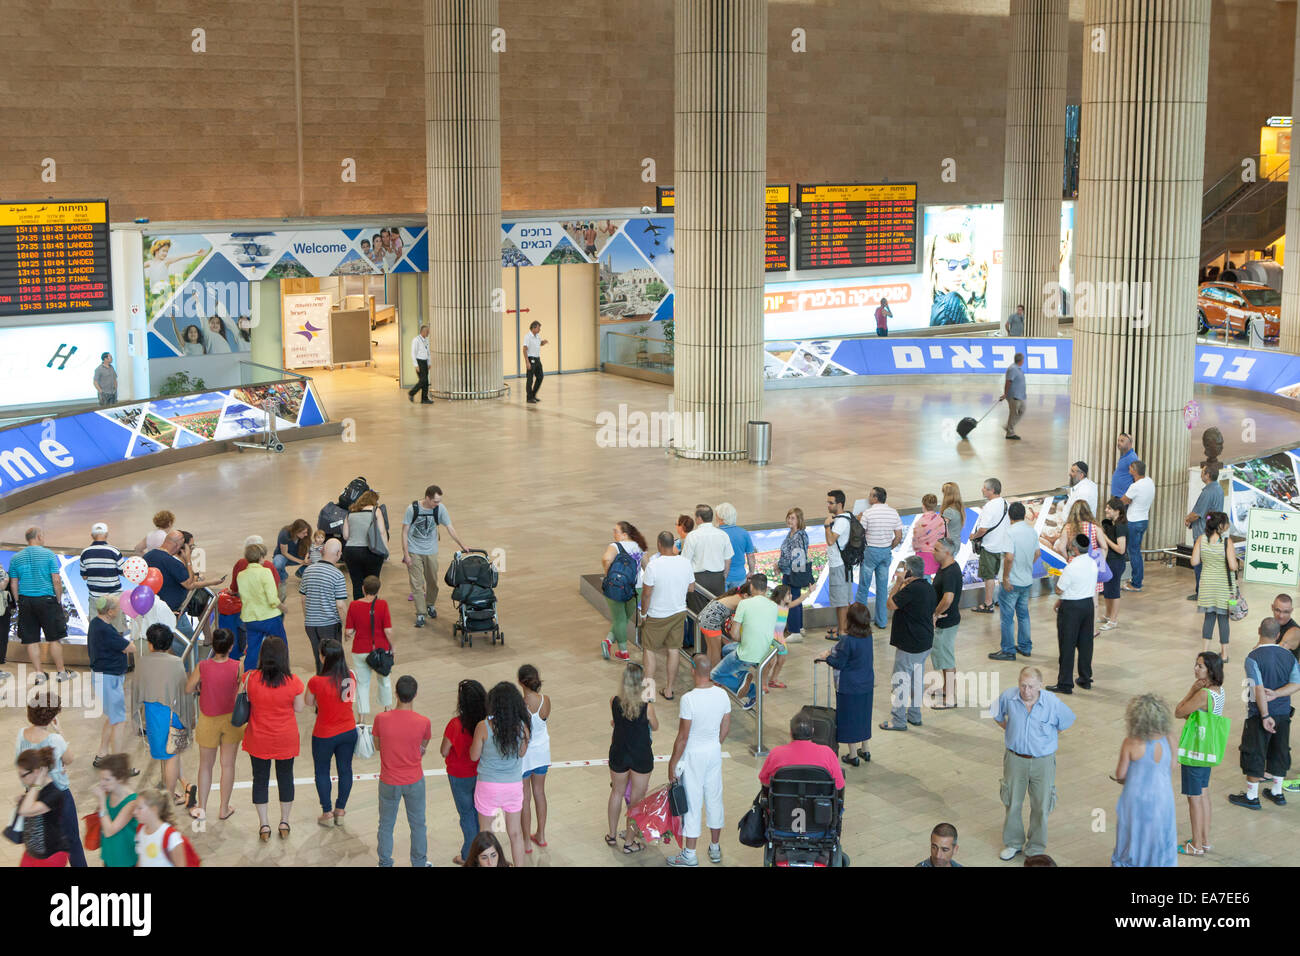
(376, 539)
(1237, 606)
(1098, 556)
(800, 571)
(1204, 741)
(752, 828)
(243, 708)
(378, 660)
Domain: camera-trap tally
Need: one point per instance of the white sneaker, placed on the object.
(1110, 625)
(681, 859)
(1008, 853)
(4, 676)
(796, 637)
(63, 675)
(715, 853)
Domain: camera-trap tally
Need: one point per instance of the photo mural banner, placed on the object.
(197, 292)
(41, 451)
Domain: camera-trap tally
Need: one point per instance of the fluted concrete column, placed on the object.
(720, 154)
(1139, 233)
(462, 106)
(1289, 335)
(1031, 193)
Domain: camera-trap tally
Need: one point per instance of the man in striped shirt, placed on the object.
(101, 568)
(324, 598)
(884, 531)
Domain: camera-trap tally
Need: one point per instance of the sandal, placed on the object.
(191, 798)
(1191, 849)
(264, 834)
(198, 813)
(228, 815)
(665, 696)
(611, 841)
(776, 685)
(285, 829)
(983, 609)
(636, 846)
(537, 841)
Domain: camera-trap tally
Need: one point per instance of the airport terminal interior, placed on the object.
(607, 263)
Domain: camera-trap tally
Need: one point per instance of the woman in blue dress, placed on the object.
(1146, 831)
(853, 658)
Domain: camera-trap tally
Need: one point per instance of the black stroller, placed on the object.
(472, 580)
(803, 814)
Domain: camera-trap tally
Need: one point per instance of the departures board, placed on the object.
(54, 257)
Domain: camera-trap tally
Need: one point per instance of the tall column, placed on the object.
(720, 155)
(1289, 334)
(462, 106)
(1031, 192)
(1139, 232)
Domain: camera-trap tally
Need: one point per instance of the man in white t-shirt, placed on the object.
(1139, 498)
(839, 582)
(704, 721)
(1082, 488)
(1076, 591)
(533, 343)
(420, 356)
(993, 531)
(709, 550)
(666, 581)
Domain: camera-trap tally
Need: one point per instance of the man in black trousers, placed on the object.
(420, 355)
(533, 343)
(1077, 587)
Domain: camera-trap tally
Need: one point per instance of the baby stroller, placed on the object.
(472, 579)
(803, 814)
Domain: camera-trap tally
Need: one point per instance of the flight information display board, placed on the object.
(54, 257)
(665, 199)
(856, 225)
(776, 244)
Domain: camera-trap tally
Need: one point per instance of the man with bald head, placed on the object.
(1033, 719)
(1288, 626)
(37, 589)
(172, 562)
(324, 593)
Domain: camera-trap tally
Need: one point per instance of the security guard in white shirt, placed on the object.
(420, 355)
(1077, 587)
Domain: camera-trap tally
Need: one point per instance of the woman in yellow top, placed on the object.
(263, 611)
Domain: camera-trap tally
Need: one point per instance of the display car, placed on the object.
(1232, 306)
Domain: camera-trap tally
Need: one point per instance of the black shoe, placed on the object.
(851, 761)
(1277, 798)
(1058, 689)
(914, 723)
(1085, 684)
(411, 396)
(1022, 653)
(1241, 800)
(532, 401)
(1013, 438)
(864, 754)
(426, 401)
(1191, 597)
(1001, 656)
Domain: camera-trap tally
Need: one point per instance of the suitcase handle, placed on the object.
(830, 686)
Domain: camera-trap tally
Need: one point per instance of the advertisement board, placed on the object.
(306, 319)
(48, 364)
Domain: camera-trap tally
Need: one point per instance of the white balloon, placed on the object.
(135, 569)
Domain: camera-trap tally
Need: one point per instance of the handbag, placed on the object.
(977, 544)
(242, 710)
(94, 832)
(14, 832)
(365, 742)
(1104, 572)
(1237, 606)
(677, 804)
(1204, 741)
(752, 830)
(376, 542)
(178, 740)
(378, 660)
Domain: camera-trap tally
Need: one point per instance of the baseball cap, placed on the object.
(99, 528)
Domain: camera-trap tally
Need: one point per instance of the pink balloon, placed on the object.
(124, 602)
(142, 599)
(134, 569)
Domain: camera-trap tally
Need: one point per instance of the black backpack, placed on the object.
(854, 548)
(428, 515)
(355, 489)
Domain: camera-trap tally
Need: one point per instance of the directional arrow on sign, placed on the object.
(1258, 564)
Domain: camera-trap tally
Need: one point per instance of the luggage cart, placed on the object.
(270, 440)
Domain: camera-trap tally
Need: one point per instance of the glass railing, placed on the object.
(637, 351)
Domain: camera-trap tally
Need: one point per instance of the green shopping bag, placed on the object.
(1205, 739)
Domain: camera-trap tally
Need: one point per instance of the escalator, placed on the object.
(1238, 215)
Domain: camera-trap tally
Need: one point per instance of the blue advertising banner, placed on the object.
(37, 452)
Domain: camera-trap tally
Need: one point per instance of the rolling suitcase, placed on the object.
(823, 718)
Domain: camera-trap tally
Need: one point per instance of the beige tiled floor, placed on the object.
(531, 480)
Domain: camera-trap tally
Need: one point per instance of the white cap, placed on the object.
(253, 539)
(99, 528)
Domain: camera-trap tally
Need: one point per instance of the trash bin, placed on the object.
(760, 442)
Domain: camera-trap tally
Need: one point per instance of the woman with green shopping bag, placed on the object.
(1202, 747)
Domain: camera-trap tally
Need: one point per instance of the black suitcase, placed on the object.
(823, 718)
(966, 426)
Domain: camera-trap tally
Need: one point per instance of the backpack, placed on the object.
(430, 515)
(191, 855)
(355, 489)
(330, 519)
(619, 583)
(853, 547)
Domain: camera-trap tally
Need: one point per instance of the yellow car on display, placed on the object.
(1232, 306)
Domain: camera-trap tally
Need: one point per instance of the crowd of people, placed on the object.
(697, 588)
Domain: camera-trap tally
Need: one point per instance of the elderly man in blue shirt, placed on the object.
(1121, 479)
(1033, 718)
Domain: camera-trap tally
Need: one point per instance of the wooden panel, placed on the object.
(510, 341)
(578, 316)
(537, 291)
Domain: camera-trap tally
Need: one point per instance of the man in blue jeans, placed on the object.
(402, 736)
(1139, 498)
(1017, 578)
(754, 626)
(883, 530)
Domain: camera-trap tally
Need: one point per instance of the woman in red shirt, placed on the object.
(369, 625)
(462, 772)
(335, 734)
(275, 695)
